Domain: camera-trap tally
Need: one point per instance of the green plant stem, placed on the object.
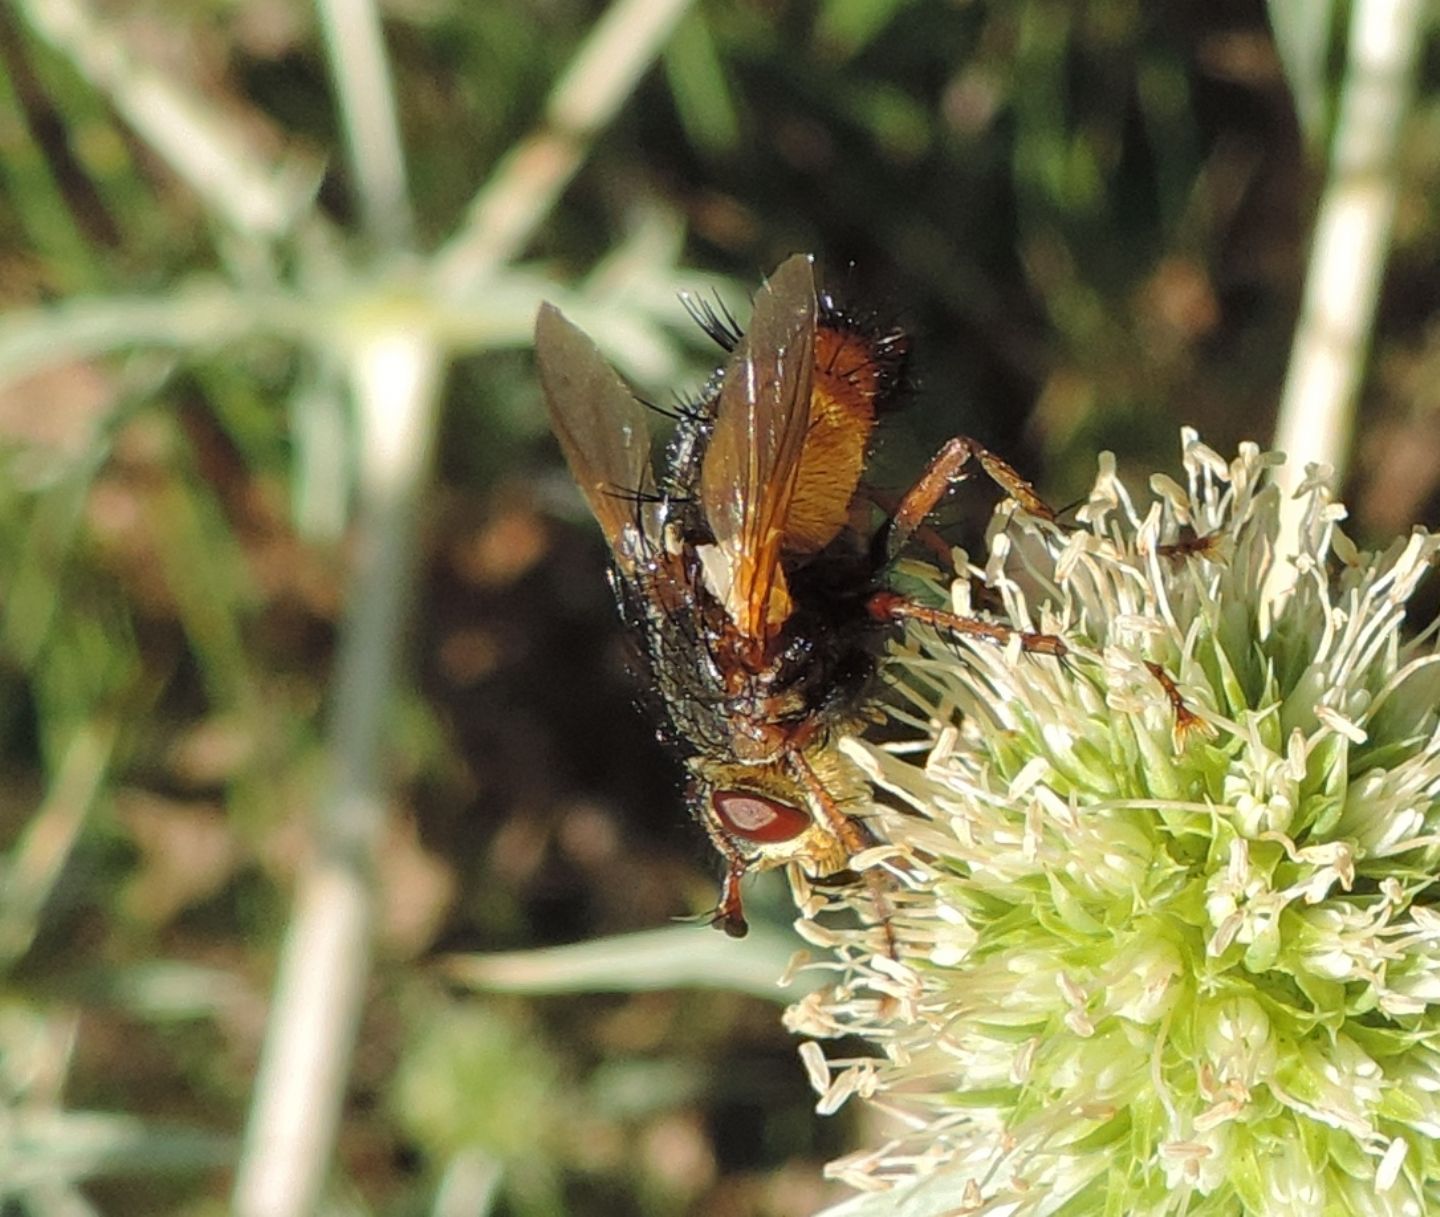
(325, 958)
(520, 193)
(1347, 256)
(366, 96)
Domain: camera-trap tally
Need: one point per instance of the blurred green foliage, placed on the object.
(1091, 215)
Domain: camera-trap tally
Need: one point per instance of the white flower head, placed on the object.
(1163, 929)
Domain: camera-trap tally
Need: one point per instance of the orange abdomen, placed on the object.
(842, 417)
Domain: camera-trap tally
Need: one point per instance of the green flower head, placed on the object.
(1164, 923)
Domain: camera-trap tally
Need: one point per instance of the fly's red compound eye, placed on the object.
(753, 817)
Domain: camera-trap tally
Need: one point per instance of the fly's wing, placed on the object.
(602, 428)
(752, 461)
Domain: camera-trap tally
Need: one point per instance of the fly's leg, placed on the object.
(1008, 478)
(729, 914)
(924, 535)
(889, 606)
(854, 836)
(1187, 722)
(946, 468)
(1189, 545)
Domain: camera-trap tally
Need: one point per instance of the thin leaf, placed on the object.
(58, 1147)
(673, 958)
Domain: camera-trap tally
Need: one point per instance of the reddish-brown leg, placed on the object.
(943, 471)
(946, 468)
(850, 833)
(1186, 720)
(940, 549)
(729, 914)
(890, 606)
(1192, 545)
(1008, 479)
(854, 836)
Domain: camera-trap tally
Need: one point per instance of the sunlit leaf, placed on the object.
(676, 957)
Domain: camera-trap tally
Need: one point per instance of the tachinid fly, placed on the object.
(750, 566)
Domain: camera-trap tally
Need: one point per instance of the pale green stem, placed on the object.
(363, 88)
(520, 193)
(395, 370)
(1347, 256)
(325, 958)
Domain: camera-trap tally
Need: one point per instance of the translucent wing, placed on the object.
(748, 476)
(603, 430)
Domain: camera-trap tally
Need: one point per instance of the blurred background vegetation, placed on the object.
(1094, 219)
